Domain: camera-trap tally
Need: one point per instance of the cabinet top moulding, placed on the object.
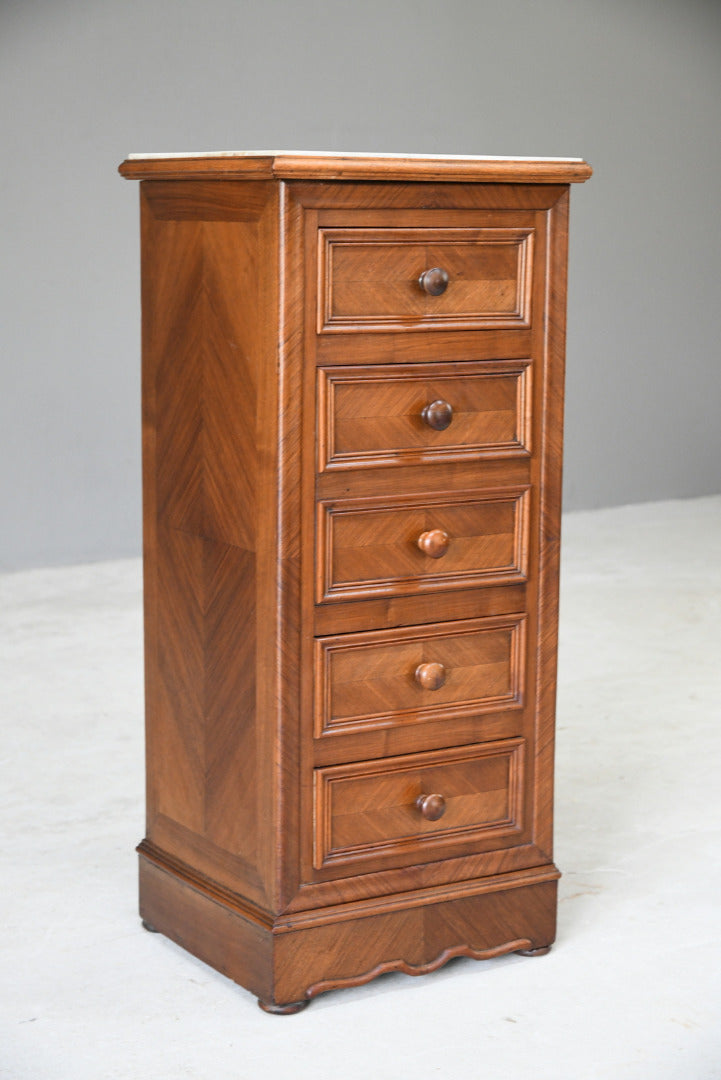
(303, 165)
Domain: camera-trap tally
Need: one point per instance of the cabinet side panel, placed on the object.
(207, 350)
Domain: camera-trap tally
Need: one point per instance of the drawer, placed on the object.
(416, 543)
(383, 678)
(391, 806)
(404, 414)
(371, 279)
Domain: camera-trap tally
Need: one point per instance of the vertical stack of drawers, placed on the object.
(353, 404)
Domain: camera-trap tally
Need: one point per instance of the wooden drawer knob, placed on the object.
(430, 676)
(438, 415)
(434, 543)
(434, 281)
(431, 806)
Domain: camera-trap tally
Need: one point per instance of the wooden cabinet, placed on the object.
(352, 417)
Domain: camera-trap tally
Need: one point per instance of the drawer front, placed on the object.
(408, 414)
(376, 808)
(385, 678)
(416, 543)
(369, 279)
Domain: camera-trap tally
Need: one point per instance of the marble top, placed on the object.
(332, 154)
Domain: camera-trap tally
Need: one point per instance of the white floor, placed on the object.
(632, 988)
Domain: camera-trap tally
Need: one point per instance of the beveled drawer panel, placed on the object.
(375, 808)
(403, 414)
(404, 676)
(369, 279)
(416, 543)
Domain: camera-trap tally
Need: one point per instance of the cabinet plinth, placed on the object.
(352, 431)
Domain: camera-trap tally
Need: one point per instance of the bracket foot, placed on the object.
(283, 1010)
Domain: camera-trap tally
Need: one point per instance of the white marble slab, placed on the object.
(339, 154)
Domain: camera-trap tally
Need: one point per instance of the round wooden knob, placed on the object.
(431, 806)
(434, 543)
(438, 414)
(430, 676)
(434, 281)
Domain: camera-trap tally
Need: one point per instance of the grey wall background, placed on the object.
(633, 86)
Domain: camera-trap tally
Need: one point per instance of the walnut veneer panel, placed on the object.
(212, 659)
(348, 946)
(372, 547)
(370, 808)
(351, 491)
(375, 415)
(372, 680)
(370, 279)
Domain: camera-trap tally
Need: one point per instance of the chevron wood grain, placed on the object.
(369, 278)
(373, 415)
(369, 680)
(371, 547)
(370, 809)
(351, 485)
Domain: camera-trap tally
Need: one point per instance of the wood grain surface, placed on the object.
(370, 808)
(322, 166)
(371, 415)
(370, 279)
(368, 680)
(370, 547)
(350, 601)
